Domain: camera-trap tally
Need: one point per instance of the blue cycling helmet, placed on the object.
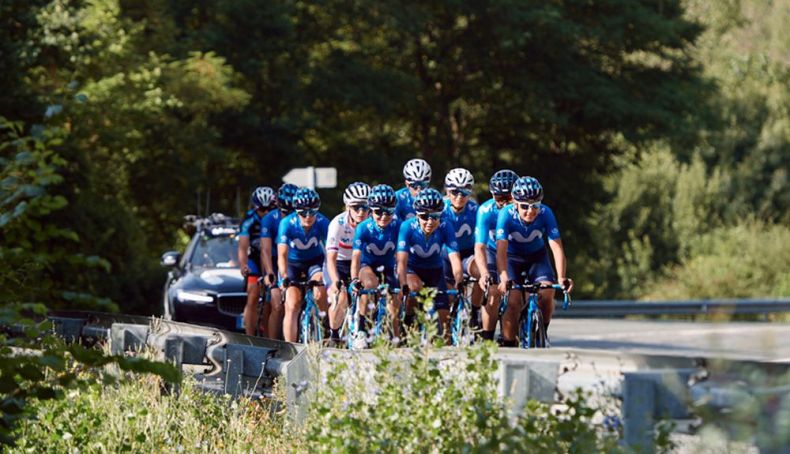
(502, 182)
(263, 197)
(285, 196)
(527, 189)
(429, 201)
(306, 199)
(382, 196)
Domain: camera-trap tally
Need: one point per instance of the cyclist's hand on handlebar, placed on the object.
(460, 286)
(285, 282)
(503, 287)
(567, 284)
(245, 270)
(269, 279)
(355, 286)
(405, 290)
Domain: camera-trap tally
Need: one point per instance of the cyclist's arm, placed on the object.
(455, 263)
(356, 259)
(403, 263)
(266, 255)
(481, 260)
(558, 250)
(331, 265)
(244, 249)
(282, 260)
(501, 260)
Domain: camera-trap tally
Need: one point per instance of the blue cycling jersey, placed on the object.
(303, 246)
(425, 251)
(405, 207)
(251, 227)
(463, 223)
(377, 244)
(485, 226)
(269, 225)
(526, 238)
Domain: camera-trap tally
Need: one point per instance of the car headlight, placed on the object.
(194, 297)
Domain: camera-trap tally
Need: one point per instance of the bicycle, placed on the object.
(463, 327)
(531, 328)
(310, 318)
(263, 298)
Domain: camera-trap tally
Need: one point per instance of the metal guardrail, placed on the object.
(616, 309)
(649, 387)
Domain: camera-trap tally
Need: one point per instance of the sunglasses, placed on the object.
(417, 184)
(306, 213)
(383, 212)
(460, 192)
(359, 208)
(530, 206)
(427, 216)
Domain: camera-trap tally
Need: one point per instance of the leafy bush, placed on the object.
(418, 401)
(747, 260)
(134, 416)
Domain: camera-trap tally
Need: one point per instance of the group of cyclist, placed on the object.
(411, 238)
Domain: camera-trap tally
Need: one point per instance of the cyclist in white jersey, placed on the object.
(339, 245)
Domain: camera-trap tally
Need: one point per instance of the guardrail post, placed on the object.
(174, 353)
(234, 366)
(522, 380)
(70, 329)
(127, 337)
(648, 395)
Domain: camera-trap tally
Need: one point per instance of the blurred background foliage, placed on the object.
(660, 130)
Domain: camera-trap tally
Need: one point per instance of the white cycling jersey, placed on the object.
(340, 236)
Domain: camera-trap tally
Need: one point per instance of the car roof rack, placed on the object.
(213, 224)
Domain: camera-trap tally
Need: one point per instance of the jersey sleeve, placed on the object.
(333, 235)
(359, 236)
(403, 237)
(481, 231)
(502, 227)
(246, 225)
(282, 231)
(552, 230)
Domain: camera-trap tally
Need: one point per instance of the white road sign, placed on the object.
(312, 177)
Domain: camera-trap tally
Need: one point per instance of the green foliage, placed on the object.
(134, 416)
(36, 366)
(422, 401)
(750, 259)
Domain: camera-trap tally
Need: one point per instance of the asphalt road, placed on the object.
(741, 340)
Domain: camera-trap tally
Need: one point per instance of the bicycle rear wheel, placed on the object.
(461, 329)
(539, 337)
(310, 327)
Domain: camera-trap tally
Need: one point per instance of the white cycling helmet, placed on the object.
(459, 178)
(356, 192)
(263, 197)
(417, 170)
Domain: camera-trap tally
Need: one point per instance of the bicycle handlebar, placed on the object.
(535, 288)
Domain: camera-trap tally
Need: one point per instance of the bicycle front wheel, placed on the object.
(311, 330)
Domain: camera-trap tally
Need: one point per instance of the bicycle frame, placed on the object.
(528, 313)
(309, 315)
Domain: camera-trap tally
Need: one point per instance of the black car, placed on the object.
(204, 285)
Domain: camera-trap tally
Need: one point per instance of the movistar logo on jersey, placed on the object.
(532, 236)
(297, 243)
(465, 229)
(374, 249)
(417, 249)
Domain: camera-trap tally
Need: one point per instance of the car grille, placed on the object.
(231, 303)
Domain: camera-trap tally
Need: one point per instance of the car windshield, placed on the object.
(216, 252)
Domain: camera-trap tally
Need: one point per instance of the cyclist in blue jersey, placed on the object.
(461, 213)
(417, 174)
(339, 244)
(420, 243)
(300, 254)
(269, 226)
(521, 234)
(484, 267)
(262, 201)
(375, 242)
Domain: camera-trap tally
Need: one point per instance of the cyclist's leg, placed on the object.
(293, 303)
(470, 270)
(491, 308)
(276, 314)
(540, 271)
(393, 305)
(434, 277)
(337, 310)
(253, 294)
(415, 285)
(369, 280)
(510, 321)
